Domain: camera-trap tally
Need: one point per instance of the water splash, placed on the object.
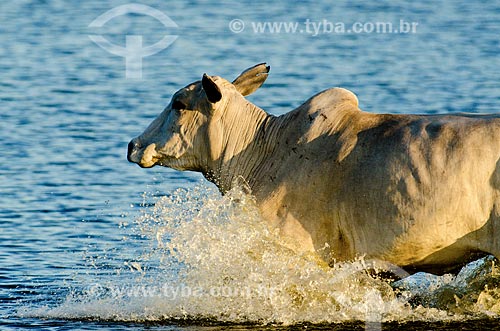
(213, 258)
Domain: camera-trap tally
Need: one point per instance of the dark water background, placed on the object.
(67, 113)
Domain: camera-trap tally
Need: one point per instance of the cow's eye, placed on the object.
(178, 105)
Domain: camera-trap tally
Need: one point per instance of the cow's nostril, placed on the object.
(131, 146)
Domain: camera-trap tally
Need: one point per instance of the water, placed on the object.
(89, 241)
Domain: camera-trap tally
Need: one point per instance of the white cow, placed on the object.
(421, 192)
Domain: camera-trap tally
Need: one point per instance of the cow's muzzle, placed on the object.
(144, 156)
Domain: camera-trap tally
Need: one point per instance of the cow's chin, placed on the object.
(147, 164)
(176, 163)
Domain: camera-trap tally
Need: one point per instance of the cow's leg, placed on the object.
(487, 238)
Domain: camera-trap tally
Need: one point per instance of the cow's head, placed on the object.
(187, 134)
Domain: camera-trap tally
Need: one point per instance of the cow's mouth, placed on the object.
(149, 164)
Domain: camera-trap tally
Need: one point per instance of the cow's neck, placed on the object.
(246, 143)
(250, 137)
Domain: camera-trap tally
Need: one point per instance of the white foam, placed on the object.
(213, 257)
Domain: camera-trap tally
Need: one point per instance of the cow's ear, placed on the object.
(211, 89)
(251, 79)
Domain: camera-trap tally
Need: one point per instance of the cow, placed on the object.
(418, 191)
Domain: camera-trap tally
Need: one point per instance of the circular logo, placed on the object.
(134, 51)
